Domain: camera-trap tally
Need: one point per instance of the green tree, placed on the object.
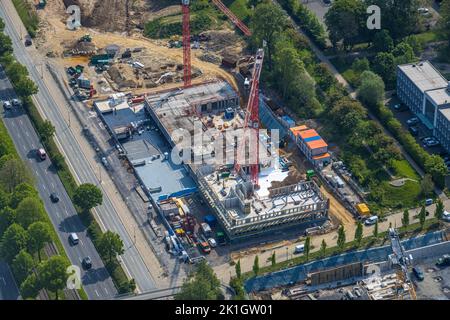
(371, 89)
(384, 65)
(5, 44)
(22, 191)
(237, 267)
(382, 41)
(28, 211)
(267, 23)
(348, 113)
(29, 289)
(435, 166)
(403, 53)
(323, 248)
(346, 22)
(14, 239)
(273, 259)
(201, 285)
(361, 65)
(359, 233)
(13, 173)
(46, 130)
(39, 235)
(375, 229)
(22, 265)
(439, 211)
(427, 185)
(7, 218)
(405, 219)
(307, 247)
(110, 245)
(422, 217)
(256, 265)
(25, 87)
(444, 22)
(238, 286)
(87, 196)
(288, 66)
(341, 238)
(16, 71)
(52, 274)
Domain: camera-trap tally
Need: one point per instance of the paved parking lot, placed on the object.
(424, 132)
(436, 284)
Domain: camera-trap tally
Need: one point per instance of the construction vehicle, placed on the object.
(41, 4)
(204, 246)
(85, 38)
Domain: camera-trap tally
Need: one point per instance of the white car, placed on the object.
(212, 242)
(15, 102)
(371, 221)
(423, 10)
(446, 216)
(7, 105)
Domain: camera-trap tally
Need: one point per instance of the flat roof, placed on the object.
(424, 75)
(445, 113)
(308, 134)
(316, 144)
(440, 96)
(296, 130)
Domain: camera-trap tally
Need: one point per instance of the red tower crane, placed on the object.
(186, 44)
(238, 23)
(251, 121)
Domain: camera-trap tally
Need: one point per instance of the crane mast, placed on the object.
(186, 44)
(251, 121)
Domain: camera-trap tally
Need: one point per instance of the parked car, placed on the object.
(28, 41)
(54, 197)
(104, 161)
(7, 105)
(446, 216)
(87, 263)
(443, 261)
(428, 202)
(371, 221)
(15, 102)
(417, 271)
(212, 242)
(400, 107)
(412, 121)
(299, 249)
(414, 131)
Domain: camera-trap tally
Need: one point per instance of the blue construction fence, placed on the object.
(299, 273)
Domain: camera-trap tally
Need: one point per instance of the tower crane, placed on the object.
(237, 22)
(251, 121)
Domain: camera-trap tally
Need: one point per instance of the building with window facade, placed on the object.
(425, 91)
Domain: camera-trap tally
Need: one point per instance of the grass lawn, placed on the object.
(430, 36)
(403, 169)
(27, 15)
(407, 196)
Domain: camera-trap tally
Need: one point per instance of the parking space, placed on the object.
(436, 281)
(420, 131)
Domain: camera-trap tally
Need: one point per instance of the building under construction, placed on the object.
(243, 209)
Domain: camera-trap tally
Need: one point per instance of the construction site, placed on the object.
(148, 92)
(395, 274)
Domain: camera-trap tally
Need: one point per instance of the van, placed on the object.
(42, 155)
(73, 238)
(371, 221)
(428, 202)
(299, 249)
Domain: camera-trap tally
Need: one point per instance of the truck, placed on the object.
(206, 229)
(41, 154)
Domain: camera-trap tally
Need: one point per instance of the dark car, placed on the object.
(414, 131)
(418, 273)
(54, 197)
(87, 263)
(443, 261)
(28, 41)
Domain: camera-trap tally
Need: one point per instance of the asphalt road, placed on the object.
(96, 282)
(8, 286)
(72, 151)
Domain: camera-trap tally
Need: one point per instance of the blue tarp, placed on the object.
(313, 138)
(210, 219)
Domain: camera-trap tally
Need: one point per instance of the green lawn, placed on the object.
(27, 15)
(403, 169)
